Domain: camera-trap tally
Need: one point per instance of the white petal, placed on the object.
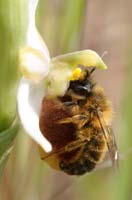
(33, 64)
(29, 111)
(33, 37)
(34, 57)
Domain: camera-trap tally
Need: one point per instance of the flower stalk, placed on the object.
(13, 25)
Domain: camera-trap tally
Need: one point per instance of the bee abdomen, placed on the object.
(87, 160)
(78, 167)
(95, 149)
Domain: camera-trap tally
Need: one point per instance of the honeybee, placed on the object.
(78, 125)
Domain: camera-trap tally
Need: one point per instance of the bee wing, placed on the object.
(110, 140)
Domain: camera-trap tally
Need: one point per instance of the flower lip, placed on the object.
(29, 117)
(34, 66)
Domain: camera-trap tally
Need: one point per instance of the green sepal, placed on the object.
(86, 58)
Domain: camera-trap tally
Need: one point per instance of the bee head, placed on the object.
(84, 84)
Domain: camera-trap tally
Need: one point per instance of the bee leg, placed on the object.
(74, 96)
(74, 145)
(69, 103)
(65, 121)
(83, 134)
(66, 105)
(71, 106)
(79, 120)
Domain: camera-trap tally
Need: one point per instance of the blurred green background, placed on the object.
(68, 26)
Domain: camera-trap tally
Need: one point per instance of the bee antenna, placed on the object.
(92, 70)
(104, 54)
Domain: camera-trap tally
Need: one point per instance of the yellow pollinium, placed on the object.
(77, 74)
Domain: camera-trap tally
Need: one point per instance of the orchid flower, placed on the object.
(42, 75)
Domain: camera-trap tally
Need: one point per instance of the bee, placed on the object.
(78, 125)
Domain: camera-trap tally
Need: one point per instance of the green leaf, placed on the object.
(6, 140)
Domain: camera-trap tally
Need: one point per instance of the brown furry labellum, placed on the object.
(78, 127)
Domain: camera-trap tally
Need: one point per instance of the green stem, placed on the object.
(13, 21)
